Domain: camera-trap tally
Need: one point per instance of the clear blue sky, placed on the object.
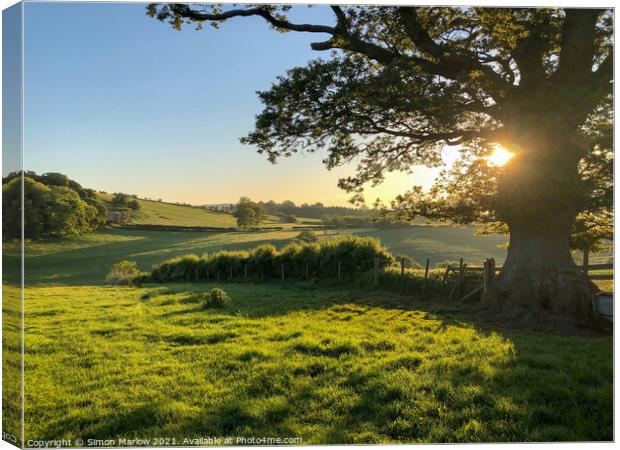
(121, 102)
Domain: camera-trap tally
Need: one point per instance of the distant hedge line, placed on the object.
(355, 254)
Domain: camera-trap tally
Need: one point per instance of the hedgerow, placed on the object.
(356, 256)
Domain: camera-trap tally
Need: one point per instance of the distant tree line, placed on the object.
(250, 214)
(314, 211)
(54, 205)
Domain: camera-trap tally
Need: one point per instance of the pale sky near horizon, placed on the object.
(122, 103)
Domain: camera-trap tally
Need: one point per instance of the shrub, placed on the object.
(181, 268)
(223, 261)
(446, 263)
(126, 273)
(216, 298)
(356, 255)
(307, 236)
(262, 261)
(410, 263)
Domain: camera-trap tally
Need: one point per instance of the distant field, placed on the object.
(161, 213)
(324, 364)
(441, 243)
(170, 214)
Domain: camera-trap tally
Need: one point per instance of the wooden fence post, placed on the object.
(456, 287)
(339, 271)
(586, 259)
(207, 274)
(491, 269)
(460, 281)
(445, 275)
(245, 271)
(282, 270)
(376, 271)
(230, 272)
(218, 275)
(486, 275)
(428, 261)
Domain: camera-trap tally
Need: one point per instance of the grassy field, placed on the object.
(170, 214)
(159, 213)
(162, 213)
(324, 364)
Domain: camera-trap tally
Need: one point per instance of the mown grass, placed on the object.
(326, 364)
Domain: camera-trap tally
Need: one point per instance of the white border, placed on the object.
(521, 3)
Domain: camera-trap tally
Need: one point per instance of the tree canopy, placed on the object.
(402, 83)
(48, 210)
(248, 213)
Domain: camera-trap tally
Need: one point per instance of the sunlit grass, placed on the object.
(327, 365)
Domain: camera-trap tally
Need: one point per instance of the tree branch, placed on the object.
(529, 51)
(577, 44)
(451, 63)
(184, 10)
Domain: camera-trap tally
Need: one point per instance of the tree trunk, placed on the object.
(538, 197)
(539, 278)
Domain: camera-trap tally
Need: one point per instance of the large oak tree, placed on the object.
(401, 83)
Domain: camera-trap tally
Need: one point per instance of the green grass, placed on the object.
(324, 364)
(160, 213)
(328, 364)
(441, 243)
(11, 360)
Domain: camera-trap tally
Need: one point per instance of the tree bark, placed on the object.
(539, 277)
(539, 197)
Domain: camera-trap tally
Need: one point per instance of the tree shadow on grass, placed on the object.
(536, 386)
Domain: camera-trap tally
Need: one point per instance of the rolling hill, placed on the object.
(174, 215)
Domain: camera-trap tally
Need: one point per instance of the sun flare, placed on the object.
(500, 156)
